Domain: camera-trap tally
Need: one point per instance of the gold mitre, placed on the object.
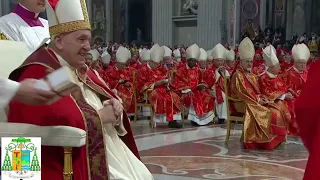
(67, 16)
(246, 49)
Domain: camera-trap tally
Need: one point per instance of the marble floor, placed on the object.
(199, 153)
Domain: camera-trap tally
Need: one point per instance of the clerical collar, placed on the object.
(31, 18)
(270, 74)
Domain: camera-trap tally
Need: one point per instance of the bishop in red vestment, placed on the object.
(219, 53)
(273, 87)
(295, 78)
(153, 79)
(230, 61)
(120, 79)
(195, 93)
(70, 110)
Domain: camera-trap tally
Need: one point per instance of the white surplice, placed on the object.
(123, 164)
(221, 109)
(16, 29)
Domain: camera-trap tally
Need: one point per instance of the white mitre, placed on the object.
(219, 52)
(246, 49)
(203, 55)
(105, 57)
(177, 53)
(95, 54)
(154, 46)
(209, 55)
(230, 56)
(122, 55)
(193, 51)
(270, 56)
(146, 55)
(157, 54)
(167, 51)
(300, 52)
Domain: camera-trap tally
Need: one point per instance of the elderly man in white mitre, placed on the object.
(219, 56)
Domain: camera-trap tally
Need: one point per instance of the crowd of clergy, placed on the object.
(190, 84)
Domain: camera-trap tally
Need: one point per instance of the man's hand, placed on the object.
(288, 96)
(28, 94)
(161, 82)
(107, 114)
(117, 106)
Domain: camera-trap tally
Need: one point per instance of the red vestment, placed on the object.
(201, 99)
(124, 91)
(285, 66)
(230, 69)
(259, 68)
(260, 128)
(68, 111)
(273, 88)
(295, 81)
(137, 65)
(163, 100)
(307, 108)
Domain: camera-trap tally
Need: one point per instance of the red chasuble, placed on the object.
(68, 111)
(124, 91)
(295, 82)
(164, 101)
(285, 66)
(272, 88)
(307, 108)
(137, 65)
(201, 99)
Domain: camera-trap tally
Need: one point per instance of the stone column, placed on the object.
(162, 25)
(109, 20)
(263, 13)
(289, 23)
(209, 24)
(237, 21)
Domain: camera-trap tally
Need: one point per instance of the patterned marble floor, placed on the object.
(199, 153)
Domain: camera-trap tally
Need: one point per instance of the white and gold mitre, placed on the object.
(246, 49)
(167, 51)
(203, 55)
(230, 55)
(270, 56)
(193, 51)
(219, 52)
(157, 54)
(122, 55)
(66, 16)
(300, 52)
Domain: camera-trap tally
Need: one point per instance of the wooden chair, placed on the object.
(138, 105)
(231, 117)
